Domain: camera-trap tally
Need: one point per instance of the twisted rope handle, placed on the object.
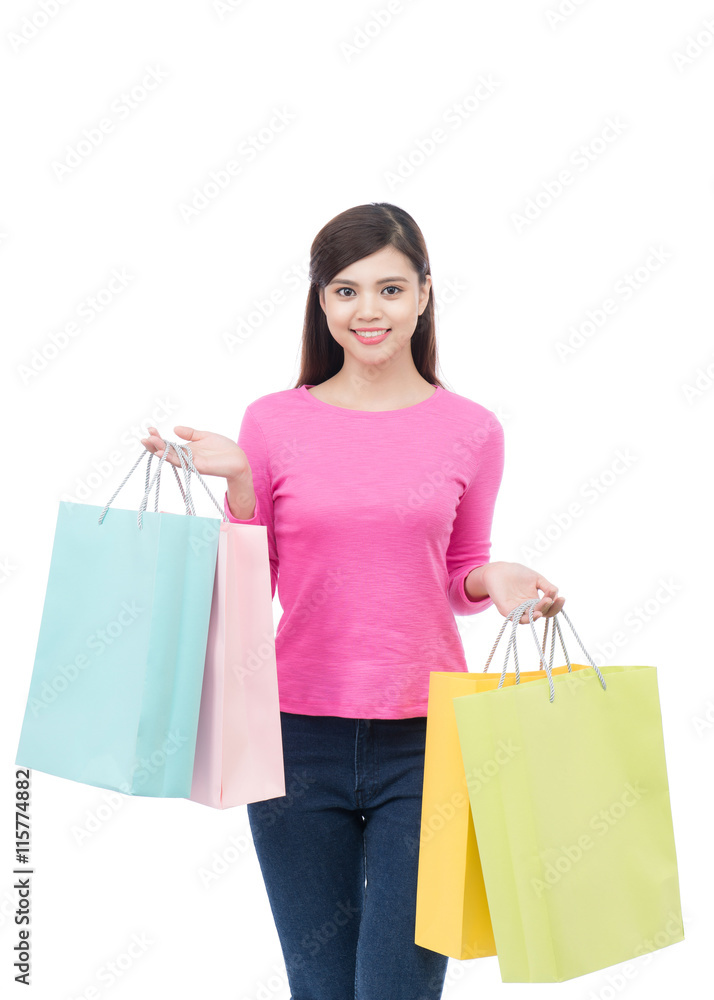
(157, 478)
(187, 475)
(514, 616)
(187, 496)
(513, 644)
(185, 456)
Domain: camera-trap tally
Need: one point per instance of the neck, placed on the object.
(366, 387)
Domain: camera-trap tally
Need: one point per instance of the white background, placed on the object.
(364, 98)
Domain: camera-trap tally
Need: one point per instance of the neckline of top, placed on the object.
(367, 413)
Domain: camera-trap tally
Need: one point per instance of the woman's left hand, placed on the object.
(510, 584)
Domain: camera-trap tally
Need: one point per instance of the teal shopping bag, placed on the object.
(116, 685)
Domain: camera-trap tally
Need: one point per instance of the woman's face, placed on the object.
(379, 292)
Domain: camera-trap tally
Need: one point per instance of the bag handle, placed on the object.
(186, 495)
(188, 501)
(185, 456)
(514, 616)
(147, 488)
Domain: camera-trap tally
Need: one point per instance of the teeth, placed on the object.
(372, 333)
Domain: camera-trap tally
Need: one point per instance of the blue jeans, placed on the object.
(351, 812)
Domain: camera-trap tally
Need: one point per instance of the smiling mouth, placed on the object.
(371, 334)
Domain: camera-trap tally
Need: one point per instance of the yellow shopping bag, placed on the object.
(452, 914)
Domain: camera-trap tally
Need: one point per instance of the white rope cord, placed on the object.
(185, 456)
(541, 653)
(192, 468)
(188, 498)
(148, 485)
(514, 617)
(158, 483)
(590, 659)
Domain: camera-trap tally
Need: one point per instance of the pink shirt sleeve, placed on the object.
(470, 542)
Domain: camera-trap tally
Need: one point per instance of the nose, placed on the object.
(369, 310)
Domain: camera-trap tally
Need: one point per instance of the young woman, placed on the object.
(377, 487)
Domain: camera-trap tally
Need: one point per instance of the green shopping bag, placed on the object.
(570, 806)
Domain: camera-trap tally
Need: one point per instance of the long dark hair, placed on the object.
(351, 235)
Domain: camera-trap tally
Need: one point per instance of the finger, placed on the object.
(153, 434)
(549, 589)
(555, 607)
(152, 443)
(190, 433)
(538, 612)
(155, 444)
(147, 441)
(549, 610)
(544, 607)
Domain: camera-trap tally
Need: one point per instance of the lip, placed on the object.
(371, 340)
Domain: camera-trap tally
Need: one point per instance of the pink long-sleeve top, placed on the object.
(374, 520)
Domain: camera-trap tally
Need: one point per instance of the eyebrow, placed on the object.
(344, 281)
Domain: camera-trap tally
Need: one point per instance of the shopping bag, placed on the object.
(452, 914)
(239, 749)
(570, 804)
(115, 689)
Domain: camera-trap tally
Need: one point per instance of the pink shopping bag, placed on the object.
(239, 748)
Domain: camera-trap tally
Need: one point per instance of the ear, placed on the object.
(424, 293)
(321, 298)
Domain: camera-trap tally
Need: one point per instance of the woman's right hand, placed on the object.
(212, 454)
